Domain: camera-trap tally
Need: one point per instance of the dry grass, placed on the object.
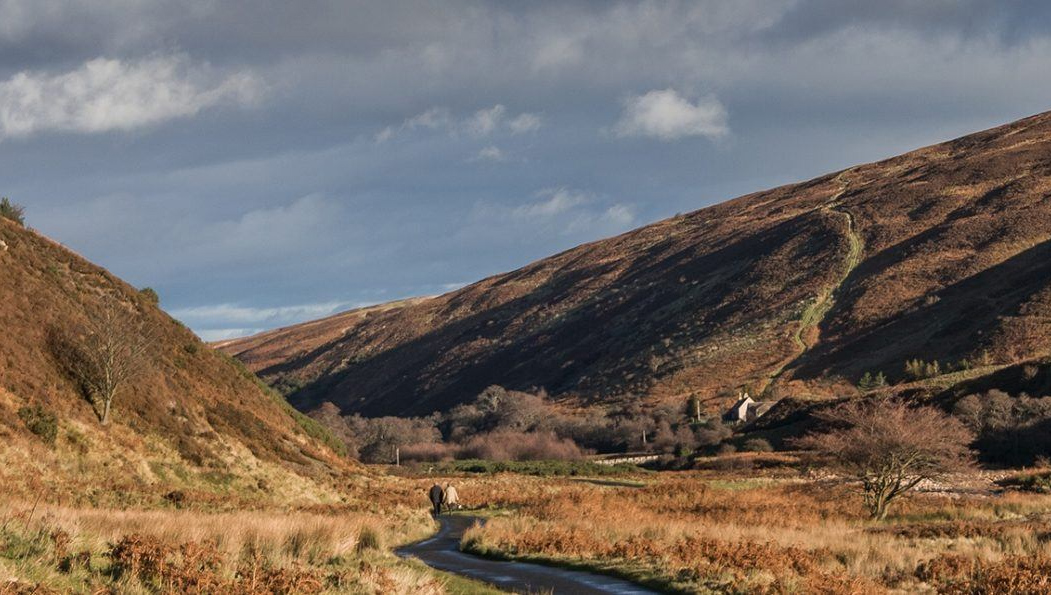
(688, 532)
(187, 551)
(770, 536)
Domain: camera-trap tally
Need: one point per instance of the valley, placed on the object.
(581, 406)
(935, 254)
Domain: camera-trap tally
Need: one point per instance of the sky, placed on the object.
(264, 162)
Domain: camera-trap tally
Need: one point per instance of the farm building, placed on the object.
(746, 409)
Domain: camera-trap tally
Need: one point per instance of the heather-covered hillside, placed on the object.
(189, 418)
(942, 254)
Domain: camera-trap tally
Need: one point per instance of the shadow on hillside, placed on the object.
(950, 326)
(592, 346)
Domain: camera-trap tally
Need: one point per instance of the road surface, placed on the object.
(443, 552)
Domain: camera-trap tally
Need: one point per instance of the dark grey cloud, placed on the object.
(260, 162)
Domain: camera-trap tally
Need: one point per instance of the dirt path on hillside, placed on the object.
(443, 552)
(815, 313)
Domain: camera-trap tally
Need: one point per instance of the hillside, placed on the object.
(191, 420)
(942, 254)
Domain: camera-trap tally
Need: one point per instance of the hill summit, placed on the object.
(940, 257)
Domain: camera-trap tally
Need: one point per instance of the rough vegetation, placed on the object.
(774, 533)
(181, 417)
(54, 549)
(502, 425)
(890, 447)
(12, 212)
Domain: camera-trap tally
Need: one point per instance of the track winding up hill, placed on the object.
(942, 253)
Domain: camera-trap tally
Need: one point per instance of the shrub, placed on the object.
(539, 468)
(506, 445)
(757, 445)
(9, 210)
(150, 295)
(726, 449)
(713, 433)
(1010, 430)
(176, 498)
(368, 539)
(1029, 482)
(917, 369)
(431, 452)
(869, 382)
(41, 422)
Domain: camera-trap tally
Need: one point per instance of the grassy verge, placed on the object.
(638, 573)
(453, 584)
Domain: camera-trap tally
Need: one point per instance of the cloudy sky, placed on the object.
(263, 162)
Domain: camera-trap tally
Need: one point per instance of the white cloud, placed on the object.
(554, 202)
(247, 315)
(490, 153)
(217, 322)
(224, 334)
(666, 115)
(552, 213)
(308, 223)
(617, 217)
(619, 214)
(482, 123)
(485, 121)
(106, 94)
(525, 123)
(432, 119)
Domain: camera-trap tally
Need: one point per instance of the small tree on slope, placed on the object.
(10, 210)
(891, 447)
(109, 353)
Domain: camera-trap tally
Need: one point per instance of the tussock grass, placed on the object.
(170, 551)
(766, 536)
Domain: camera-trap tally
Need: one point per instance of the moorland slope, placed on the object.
(943, 253)
(191, 419)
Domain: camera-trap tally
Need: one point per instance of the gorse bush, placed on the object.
(869, 382)
(9, 210)
(150, 295)
(40, 421)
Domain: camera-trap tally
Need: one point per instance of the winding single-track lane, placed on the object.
(443, 552)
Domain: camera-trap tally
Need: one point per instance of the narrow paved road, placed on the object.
(443, 552)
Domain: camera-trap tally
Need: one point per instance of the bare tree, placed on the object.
(107, 353)
(891, 447)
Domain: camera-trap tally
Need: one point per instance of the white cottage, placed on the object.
(746, 409)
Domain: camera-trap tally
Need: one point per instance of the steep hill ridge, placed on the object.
(941, 253)
(192, 420)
